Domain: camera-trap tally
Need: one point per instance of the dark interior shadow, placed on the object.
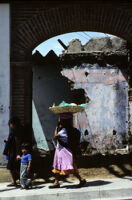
(109, 162)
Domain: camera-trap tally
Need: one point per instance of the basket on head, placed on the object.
(67, 108)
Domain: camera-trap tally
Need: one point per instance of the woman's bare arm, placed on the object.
(56, 135)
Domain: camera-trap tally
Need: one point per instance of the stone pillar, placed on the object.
(4, 75)
(21, 91)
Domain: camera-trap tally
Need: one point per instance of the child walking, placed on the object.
(26, 159)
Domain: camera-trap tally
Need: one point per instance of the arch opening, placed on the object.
(103, 71)
(46, 23)
(70, 18)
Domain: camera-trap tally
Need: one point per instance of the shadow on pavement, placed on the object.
(38, 183)
(8, 189)
(88, 184)
(36, 187)
(97, 183)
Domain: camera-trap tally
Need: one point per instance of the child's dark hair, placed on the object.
(25, 146)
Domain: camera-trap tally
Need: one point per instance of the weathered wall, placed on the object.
(130, 107)
(4, 75)
(106, 113)
(99, 44)
(48, 87)
(105, 121)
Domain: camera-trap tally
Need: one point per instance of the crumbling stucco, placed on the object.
(102, 44)
(106, 112)
(97, 71)
(74, 46)
(105, 44)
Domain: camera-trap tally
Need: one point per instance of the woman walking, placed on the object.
(13, 149)
(64, 158)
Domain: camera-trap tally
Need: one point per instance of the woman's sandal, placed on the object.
(82, 183)
(54, 186)
(12, 185)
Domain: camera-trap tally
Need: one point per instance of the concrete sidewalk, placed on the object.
(118, 188)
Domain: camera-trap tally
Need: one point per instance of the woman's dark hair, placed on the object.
(66, 123)
(15, 121)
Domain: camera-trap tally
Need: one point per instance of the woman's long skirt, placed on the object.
(63, 163)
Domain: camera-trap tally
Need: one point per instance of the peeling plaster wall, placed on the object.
(106, 112)
(104, 124)
(130, 105)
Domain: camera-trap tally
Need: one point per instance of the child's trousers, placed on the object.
(24, 180)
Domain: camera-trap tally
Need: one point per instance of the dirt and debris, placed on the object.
(110, 50)
(91, 167)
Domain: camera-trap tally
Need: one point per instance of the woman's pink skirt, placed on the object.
(63, 161)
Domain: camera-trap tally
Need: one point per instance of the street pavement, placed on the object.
(103, 189)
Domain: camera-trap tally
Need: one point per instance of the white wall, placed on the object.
(4, 74)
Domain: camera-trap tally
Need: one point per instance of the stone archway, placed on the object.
(49, 22)
(33, 23)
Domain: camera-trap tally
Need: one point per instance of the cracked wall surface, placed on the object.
(97, 77)
(106, 117)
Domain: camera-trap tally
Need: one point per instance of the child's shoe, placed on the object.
(23, 187)
(29, 186)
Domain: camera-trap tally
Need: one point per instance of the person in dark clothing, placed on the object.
(13, 148)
